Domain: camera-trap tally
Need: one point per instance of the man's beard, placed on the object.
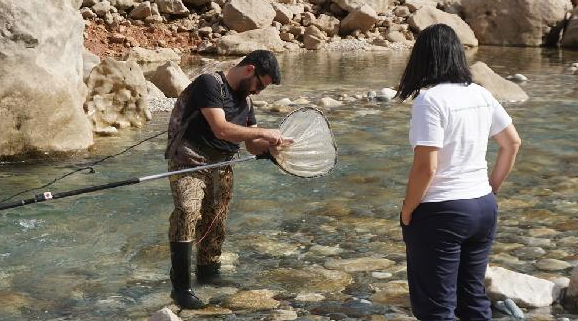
(244, 86)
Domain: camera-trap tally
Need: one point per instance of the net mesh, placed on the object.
(313, 152)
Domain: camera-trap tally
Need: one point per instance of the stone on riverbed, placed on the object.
(254, 300)
(359, 264)
(524, 290)
(310, 279)
(552, 265)
(394, 293)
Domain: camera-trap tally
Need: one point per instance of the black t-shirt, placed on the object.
(205, 92)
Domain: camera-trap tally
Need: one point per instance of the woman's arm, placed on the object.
(423, 170)
(509, 142)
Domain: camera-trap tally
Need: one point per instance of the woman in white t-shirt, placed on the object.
(449, 214)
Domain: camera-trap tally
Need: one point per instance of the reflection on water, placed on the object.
(104, 256)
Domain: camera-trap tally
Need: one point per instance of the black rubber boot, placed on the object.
(182, 294)
(210, 274)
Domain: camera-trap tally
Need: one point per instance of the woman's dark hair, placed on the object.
(265, 64)
(437, 57)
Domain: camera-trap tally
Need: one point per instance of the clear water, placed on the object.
(104, 256)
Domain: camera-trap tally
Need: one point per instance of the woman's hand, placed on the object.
(405, 215)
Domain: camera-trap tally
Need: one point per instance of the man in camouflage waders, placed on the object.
(211, 117)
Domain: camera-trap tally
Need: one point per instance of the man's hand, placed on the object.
(273, 136)
(274, 150)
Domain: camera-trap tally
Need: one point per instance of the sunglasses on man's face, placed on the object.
(260, 86)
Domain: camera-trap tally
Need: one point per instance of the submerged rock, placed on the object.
(252, 300)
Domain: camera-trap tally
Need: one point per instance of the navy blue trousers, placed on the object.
(448, 245)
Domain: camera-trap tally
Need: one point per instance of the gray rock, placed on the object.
(502, 89)
(524, 290)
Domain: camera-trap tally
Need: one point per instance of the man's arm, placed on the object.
(256, 146)
(235, 133)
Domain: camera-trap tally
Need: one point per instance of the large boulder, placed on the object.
(313, 38)
(327, 23)
(502, 89)
(243, 15)
(516, 22)
(170, 79)
(117, 96)
(362, 19)
(41, 87)
(570, 38)
(245, 42)
(524, 290)
(427, 16)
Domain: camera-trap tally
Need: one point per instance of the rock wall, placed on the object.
(41, 87)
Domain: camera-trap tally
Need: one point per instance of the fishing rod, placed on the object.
(46, 196)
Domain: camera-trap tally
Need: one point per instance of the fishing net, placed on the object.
(313, 152)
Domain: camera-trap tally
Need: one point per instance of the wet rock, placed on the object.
(267, 244)
(552, 265)
(381, 275)
(351, 309)
(281, 315)
(254, 300)
(540, 232)
(502, 89)
(392, 293)
(328, 102)
(524, 290)
(164, 314)
(310, 279)
(530, 253)
(309, 297)
(359, 264)
(320, 250)
(207, 311)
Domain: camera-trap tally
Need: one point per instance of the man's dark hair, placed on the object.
(437, 57)
(265, 64)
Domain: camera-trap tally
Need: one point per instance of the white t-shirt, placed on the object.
(459, 120)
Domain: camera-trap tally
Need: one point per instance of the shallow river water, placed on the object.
(104, 256)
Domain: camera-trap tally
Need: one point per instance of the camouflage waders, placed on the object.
(201, 208)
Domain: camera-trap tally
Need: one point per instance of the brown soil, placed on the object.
(116, 41)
